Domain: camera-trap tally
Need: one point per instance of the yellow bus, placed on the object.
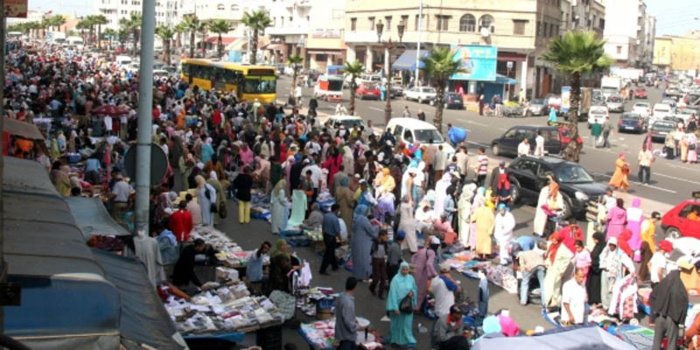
(249, 82)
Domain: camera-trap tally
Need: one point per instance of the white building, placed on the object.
(649, 36)
(625, 31)
(115, 10)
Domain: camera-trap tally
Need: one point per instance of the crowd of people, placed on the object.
(434, 202)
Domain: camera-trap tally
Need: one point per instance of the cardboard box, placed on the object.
(689, 275)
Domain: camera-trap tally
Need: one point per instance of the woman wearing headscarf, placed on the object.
(345, 198)
(401, 329)
(364, 233)
(315, 219)
(484, 225)
(424, 269)
(464, 213)
(280, 266)
(441, 192)
(504, 190)
(593, 284)
(333, 163)
(617, 219)
(692, 142)
(408, 224)
(186, 163)
(450, 203)
(620, 179)
(243, 183)
(220, 195)
(279, 207)
(206, 196)
(557, 261)
(635, 216)
(503, 232)
(386, 184)
(669, 305)
(207, 151)
(287, 171)
(61, 180)
(613, 262)
(348, 160)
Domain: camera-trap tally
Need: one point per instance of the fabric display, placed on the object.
(640, 337)
(321, 336)
(285, 303)
(502, 276)
(309, 297)
(223, 310)
(260, 206)
(229, 253)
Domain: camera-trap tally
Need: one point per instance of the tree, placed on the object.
(133, 26)
(123, 34)
(439, 66)
(99, 20)
(574, 54)
(220, 26)
(57, 21)
(295, 62)
(83, 26)
(354, 70)
(166, 34)
(257, 21)
(110, 33)
(193, 26)
(180, 29)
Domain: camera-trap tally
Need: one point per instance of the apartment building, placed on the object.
(587, 15)
(649, 36)
(625, 31)
(115, 10)
(677, 52)
(519, 30)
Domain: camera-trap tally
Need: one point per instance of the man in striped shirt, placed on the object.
(482, 167)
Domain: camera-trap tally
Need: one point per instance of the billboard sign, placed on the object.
(15, 8)
(478, 62)
(565, 99)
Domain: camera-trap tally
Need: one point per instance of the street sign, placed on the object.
(159, 163)
(509, 64)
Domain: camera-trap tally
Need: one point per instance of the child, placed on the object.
(582, 258)
(379, 251)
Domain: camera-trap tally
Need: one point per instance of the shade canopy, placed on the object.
(407, 60)
(504, 80)
(22, 129)
(93, 219)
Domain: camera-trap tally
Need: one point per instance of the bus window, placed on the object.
(256, 85)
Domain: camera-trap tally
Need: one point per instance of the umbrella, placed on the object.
(110, 110)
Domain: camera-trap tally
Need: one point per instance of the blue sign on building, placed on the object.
(478, 62)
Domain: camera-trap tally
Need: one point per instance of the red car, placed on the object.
(684, 219)
(640, 93)
(368, 90)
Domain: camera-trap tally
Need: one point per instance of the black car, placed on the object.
(660, 129)
(507, 144)
(452, 101)
(529, 175)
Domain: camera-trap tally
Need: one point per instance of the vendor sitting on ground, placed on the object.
(183, 273)
(450, 333)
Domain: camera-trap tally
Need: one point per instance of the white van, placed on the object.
(660, 111)
(75, 40)
(409, 130)
(123, 61)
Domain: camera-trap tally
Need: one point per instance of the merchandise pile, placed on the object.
(229, 253)
(321, 335)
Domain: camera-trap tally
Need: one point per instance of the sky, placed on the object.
(674, 17)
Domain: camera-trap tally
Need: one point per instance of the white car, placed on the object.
(349, 121)
(420, 93)
(410, 130)
(132, 67)
(660, 111)
(597, 114)
(642, 108)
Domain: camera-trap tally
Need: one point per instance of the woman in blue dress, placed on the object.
(402, 285)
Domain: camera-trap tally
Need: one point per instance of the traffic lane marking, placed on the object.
(640, 184)
(677, 178)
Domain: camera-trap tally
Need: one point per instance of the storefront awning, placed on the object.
(504, 80)
(224, 40)
(323, 52)
(407, 60)
(274, 47)
(511, 56)
(22, 129)
(93, 219)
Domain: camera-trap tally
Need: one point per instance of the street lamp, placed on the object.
(387, 70)
(401, 27)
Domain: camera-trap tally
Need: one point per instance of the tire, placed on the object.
(566, 211)
(673, 232)
(516, 192)
(496, 150)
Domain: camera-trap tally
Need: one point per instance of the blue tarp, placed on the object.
(504, 80)
(407, 60)
(572, 338)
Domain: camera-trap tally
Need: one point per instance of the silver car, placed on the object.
(538, 107)
(615, 103)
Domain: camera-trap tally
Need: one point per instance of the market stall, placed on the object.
(18, 139)
(321, 335)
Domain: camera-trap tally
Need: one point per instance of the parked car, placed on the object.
(396, 90)
(631, 122)
(420, 94)
(681, 221)
(539, 107)
(529, 174)
(597, 114)
(452, 101)
(643, 109)
(349, 121)
(507, 144)
(660, 129)
(640, 93)
(410, 130)
(615, 103)
(368, 90)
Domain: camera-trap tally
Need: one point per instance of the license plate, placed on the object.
(629, 128)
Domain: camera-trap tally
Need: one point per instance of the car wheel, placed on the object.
(496, 150)
(515, 193)
(566, 211)
(673, 232)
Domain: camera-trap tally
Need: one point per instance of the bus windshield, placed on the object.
(260, 85)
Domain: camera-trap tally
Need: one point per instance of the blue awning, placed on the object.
(504, 80)
(407, 60)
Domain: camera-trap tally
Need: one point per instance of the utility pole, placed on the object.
(3, 266)
(420, 28)
(143, 141)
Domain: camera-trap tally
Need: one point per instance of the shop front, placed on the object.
(478, 76)
(325, 48)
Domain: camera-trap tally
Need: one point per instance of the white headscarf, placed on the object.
(212, 175)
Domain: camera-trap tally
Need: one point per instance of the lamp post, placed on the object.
(388, 46)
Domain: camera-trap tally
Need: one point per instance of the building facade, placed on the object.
(625, 31)
(649, 36)
(167, 11)
(519, 29)
(677, 52)
(586, 15)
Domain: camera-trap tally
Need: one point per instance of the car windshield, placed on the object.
(634, 117)
(663, 125)
(537, 102)
(424, 135)
(429, 90)
(641, 105)
(572, 173)
(350, 123)
(614, 99)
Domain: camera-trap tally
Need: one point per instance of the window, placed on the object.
(415, 26)
(353, 24)
(388, 24)
(487, 21)
(321, 58)
(408, 136)
(528, 166)
(234, 7)
(619, 50)
(467, 23)
(281, 21)
(371, 23)
(545, 29)
(519, 26)
(442, 22)
(602, 23)
(538, 29)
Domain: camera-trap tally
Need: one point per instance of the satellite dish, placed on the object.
(485, 32)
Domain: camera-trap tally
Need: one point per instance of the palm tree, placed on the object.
(132, 25)
(574, 54)
(220, 26)
(57, 21)
(83, 25)
(166, 34)
(193, 25)
(180, 29)
(354, 70)
(295, 62)
(111, 33)
(257, 21)
(33, 26)
(99, 20)
(439, 66)
(43, 25)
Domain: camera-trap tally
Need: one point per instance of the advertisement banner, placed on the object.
(326, 33)
(565, 99)
(478, 62)
(15, 8)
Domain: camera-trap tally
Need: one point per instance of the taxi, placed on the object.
(684, 219)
